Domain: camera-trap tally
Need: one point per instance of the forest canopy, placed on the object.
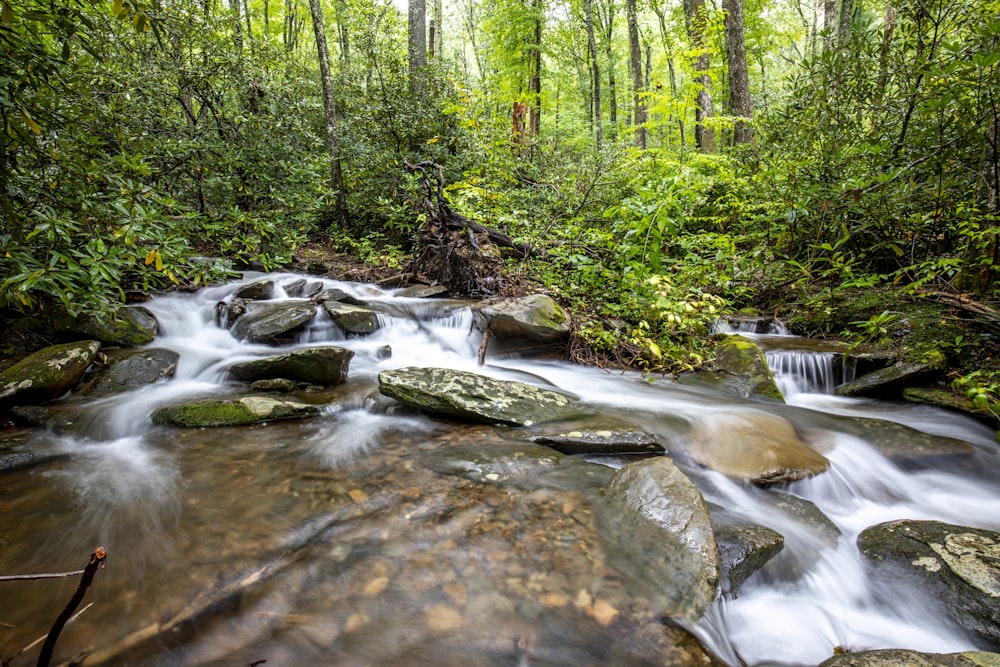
(663, 161)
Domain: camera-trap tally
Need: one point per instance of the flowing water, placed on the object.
(374, 535)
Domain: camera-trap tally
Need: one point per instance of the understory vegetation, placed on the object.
(156, 145)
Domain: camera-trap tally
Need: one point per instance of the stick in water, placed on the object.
(96, 560)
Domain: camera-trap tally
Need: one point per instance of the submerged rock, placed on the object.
(236, 412)
(131, 369)
(959, 566)
(46, 374)
(266, 321)
(536, 317)
(659, 523)
(754, 446)
(742, 358)
(474, 397)
(612, 440)
(325, 366)
(903, 443)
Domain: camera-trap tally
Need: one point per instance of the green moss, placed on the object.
(205, 413)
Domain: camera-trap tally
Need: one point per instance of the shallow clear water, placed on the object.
(383, 541)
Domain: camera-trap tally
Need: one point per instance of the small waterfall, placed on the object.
(750, 326)
(801, 371)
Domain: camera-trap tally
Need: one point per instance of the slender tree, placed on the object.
(635, 69)
(329, 109)
(739, 78)
(595, 70)
(417, 44)
(535, 66)
(695, 20)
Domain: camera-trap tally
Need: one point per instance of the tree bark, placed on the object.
(739, 77)
(831, 23)
(635, 68)
(417, 44)
(609, 31)
(846, 28)
(695, 18)
(437, 41)
(595, 69)
(330, 111)
(535, 78)
(342, 31)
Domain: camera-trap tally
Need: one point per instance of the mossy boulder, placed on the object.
(889, 382)
(46, 374)
(957, 565)
(943, 398)
(474, 397)
(327, 366)
(743, 359)
(235, 412)
(128, 327)
(129, 369)
(660, 515)
(894, 657)
(536, 317)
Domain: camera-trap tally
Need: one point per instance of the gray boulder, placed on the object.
(351, 318)
(46, 374)
(903, 443)
(474, 397)
(754, 446)
(890, 381)
(125, 370)
(659, 525)
(259, 290)
(743, 549)
(741, 358)
(536, 317)
(266, 321)
(235, 412)
(958, 566)
(325, 366)
(611, 440)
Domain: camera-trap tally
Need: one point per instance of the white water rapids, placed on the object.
(123, 486)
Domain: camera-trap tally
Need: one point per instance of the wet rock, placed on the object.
(128, 327)
(57, 421)
(958, 566)
(536, 317)
(259, 290)
(46, 374)
(902, 443)
(743, 549)
(894, 657)
(266, 321)
(325, 366)
(339, 295)
(474, 397)
(302, 289)
(422, 291)
(279, 385)
(601, 441)
(890, 381)
(658, 518)
(754, 446)
(352, 319)
(943, 398)
(806, 512)
(236, 412)
(13, 460)
(742, 358)
(127, 370)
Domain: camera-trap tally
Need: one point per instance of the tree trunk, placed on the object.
(831, 23)
(739, 77)
(668, 52)
(695, 18)
(330, 111)
(609, 31)
(342, 31)
(437, 41)
(535, 82)
(417, 45)
(635, 68)
(846, 28)
(595, 71)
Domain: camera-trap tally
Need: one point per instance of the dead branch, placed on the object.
(42, 638)
(964, 303)
(97, 559)
(30, 577)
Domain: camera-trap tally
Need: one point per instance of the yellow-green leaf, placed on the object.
(150, 257)
(7, 13)
(31, 123)
(116, 7)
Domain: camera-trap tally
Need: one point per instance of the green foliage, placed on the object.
(982, 388)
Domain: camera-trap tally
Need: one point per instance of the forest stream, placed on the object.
(374, 534)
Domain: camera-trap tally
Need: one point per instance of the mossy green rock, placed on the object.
(958, 566)
(130, 369)
(327, 366)
(889, 382)
(739, 356)
(128, 327)
(536, 317)
(237, 412)
(658, 524)
(894, 657)
(474, 397)
(47, 374)
(352, 319)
